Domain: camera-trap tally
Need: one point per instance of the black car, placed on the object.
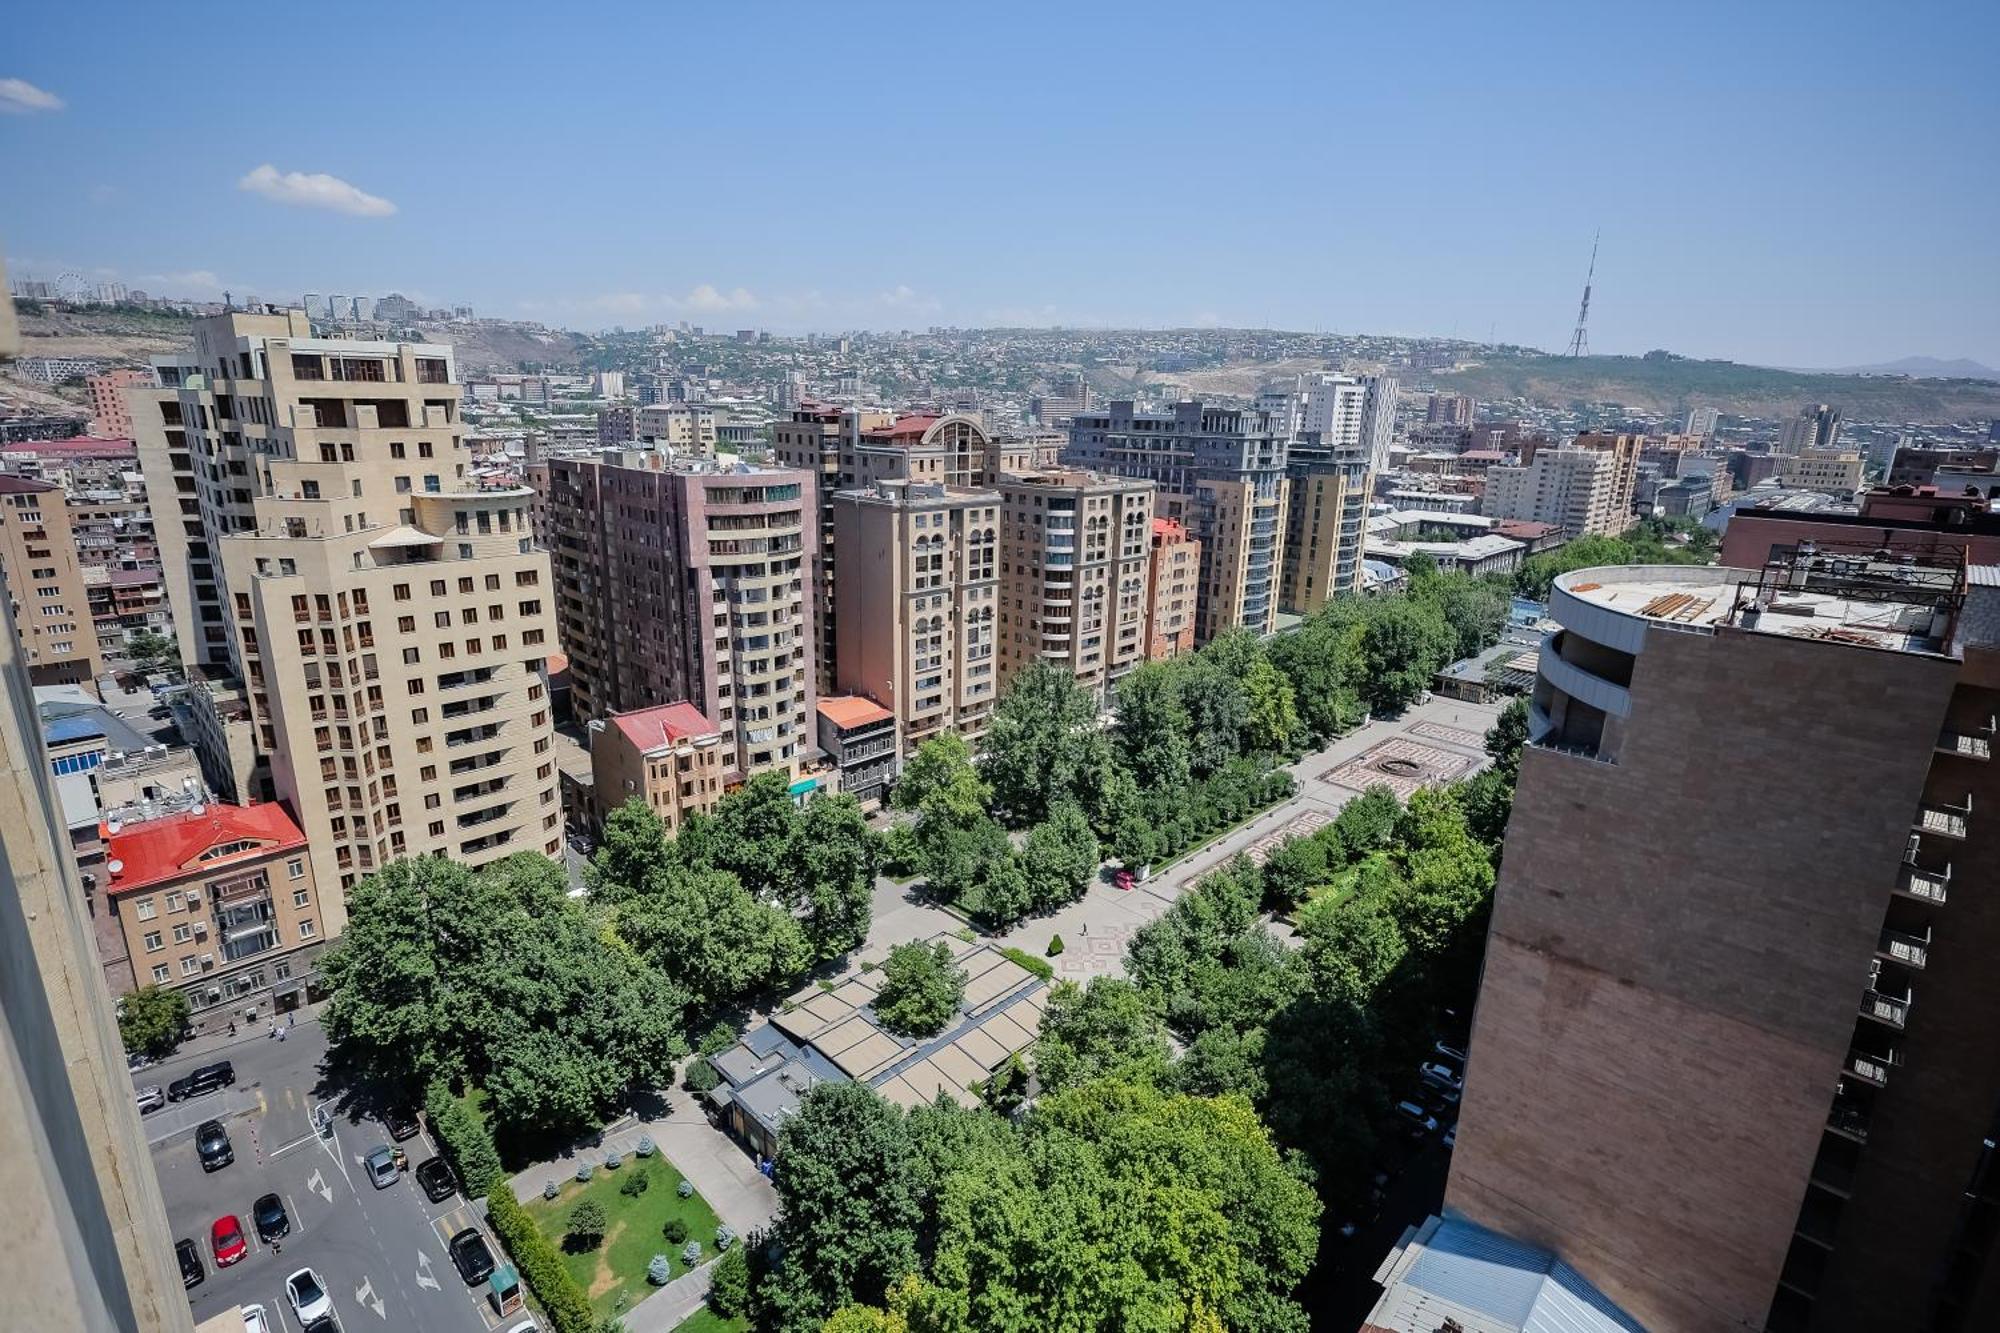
(434, 1175)
(191, 1270)
(208, 1078)
(400, 1121)
(211, 1141)
(268, 1213)
(469, 1253)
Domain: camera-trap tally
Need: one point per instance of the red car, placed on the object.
(1124, 879)
(227, 1238)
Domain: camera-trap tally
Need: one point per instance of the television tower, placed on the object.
(1579, 342)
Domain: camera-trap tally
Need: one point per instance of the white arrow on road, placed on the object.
(316, 1182)
(365, 1295)
(424, 1278)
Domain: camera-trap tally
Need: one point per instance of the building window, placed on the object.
(153, 941)
(143, 909)
(183, 933)
(296, 867)
(160, 974)
(307, 929)
(301, 897)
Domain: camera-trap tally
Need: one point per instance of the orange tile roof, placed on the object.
(162, 850)
(651, 728)
(904, 428)
(851, 710)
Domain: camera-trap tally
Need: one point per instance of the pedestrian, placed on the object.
(232, 1027)
(277, 1247)
(282, 1031)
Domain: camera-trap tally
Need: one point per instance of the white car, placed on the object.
(525, 1326)
(1441, 1075)
(254, 1321)
(308, 1296)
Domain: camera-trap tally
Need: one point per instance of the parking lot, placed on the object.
(381, 1253)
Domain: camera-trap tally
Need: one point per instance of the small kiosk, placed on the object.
(504, 1289)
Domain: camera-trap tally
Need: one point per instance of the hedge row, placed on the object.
(540, 1266)
(464, 1138)
(1039, 966)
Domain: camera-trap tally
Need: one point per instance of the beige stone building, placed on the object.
(684, 428)
(917, 604)
(45, 584)
(1173, 582)
(109, 417)
(219, 903)
(1074, 548)
(1578, 490)
(686, 579)
(388, 616)
(670, 757)
(1834, 470)
(1325, 517)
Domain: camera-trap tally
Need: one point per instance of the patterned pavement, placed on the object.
(1402, 765)
(1438, 731)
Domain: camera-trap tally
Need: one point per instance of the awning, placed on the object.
(404, 535)
(720, 1097)
(804, 785)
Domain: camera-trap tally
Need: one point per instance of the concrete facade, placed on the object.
(109, 416)
(1325, 514)
(1173, 583)
(45, 585)
(670, 757)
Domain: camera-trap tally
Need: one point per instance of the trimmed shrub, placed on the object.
(634, 1185)
(467, 1145)
(691, 1253)
(584, 1171)
(612, 1161)
(675, 1231)
(659, 1270)
(540, 1266)
(587, 1224)
(1055, 947)
(729, 1283)
(725, 1237)
(1036, 965)
(645, 1146)
(549, 1191)
(716, 1040)
(700, 1076)
(685, 1189)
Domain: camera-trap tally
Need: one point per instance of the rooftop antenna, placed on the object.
(1579, 342)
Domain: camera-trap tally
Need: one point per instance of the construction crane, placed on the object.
(1579, 342)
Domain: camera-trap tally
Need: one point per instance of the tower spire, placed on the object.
(1579, 342)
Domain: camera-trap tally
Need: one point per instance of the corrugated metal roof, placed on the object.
(1983, 576)
(1512, 1284)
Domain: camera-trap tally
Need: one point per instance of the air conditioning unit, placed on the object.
(200, 929)
(208, 960)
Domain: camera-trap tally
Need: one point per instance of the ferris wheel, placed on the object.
(71, 287)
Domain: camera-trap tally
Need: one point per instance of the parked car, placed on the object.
(150, 1098)
(254, 1320)
(308, 1296)
(1450, 1139)
(381, 1163)
(401, 1122)
(469, 1253)
(208, 1078)
(1124, 879)
(211, 1141)
(225, 1237)
(1415, 1119)
(268, 1214)
(1452, 1055)
(190, 1258)
(1441, 1075)
(434, 1174)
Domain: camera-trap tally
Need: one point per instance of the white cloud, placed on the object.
(188, 282)
(315, 190)
(709, 300)
(907, 299)
(24, 98)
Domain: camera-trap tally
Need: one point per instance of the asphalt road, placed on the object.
(380, 1253)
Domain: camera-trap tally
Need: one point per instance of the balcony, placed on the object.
(1902, 947)
(1924, 885)
(1886, 1007)
(1967, 744)
(1848, 1118)
(1871, 1068)
(1945, 820)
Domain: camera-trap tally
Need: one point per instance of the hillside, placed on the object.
(1668, 387)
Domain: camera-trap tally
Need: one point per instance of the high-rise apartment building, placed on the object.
(1836, 471)
(1221, 472)
(1815, 427)
(388, 616)
(617, 424)
(1326, 515)
(917, 603)
(1584, 488)
(1173, 578)
(1449, 409)
(684, 579)
(1732, 1055)
(1074, 547)
(109, 416)
(1701, 422)
(684, 428)
(44, 580)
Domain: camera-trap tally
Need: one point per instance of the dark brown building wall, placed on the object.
(1897, 1232)
(1678, 949)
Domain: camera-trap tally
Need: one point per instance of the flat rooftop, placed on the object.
(1866, 604)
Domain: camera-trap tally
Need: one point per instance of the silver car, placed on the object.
(150, 1098)
(381, 1163)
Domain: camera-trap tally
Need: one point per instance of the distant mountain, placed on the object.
(1927, 368)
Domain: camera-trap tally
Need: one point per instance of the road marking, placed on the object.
(365, 1295)
(424, 1278)
(262, 1105)
(295, 1143)
(316, 1182)
(291, 1097)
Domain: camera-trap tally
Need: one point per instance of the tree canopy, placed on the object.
(921, 988)
(151, 1020)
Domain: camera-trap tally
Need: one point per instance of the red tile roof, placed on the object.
(1170, 528)
(651, 728)
(162, 850)
(84, 445)
(13, 485)
(851, 710)
(905, 428)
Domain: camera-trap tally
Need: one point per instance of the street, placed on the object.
(380, 1253)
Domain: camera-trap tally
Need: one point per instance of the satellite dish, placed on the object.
(113, 826)
(197, 809)
(115, 867)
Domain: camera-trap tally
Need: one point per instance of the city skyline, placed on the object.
(1049, 196)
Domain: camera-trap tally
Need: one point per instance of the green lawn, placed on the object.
(706, 1320)
(614, 1274)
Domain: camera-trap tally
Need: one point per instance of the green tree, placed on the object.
(1038, 744)
(151, 651)
(848, 1179)
(1297, 867)
(1323, 660)
(1108, 1029)
(1153, 727)
(633, 849)
(940, 780)
(921, 989)
(1060, 859)
(1505, 738)
(151, 1020)
(729, 1283)
(754, 836)
(970, 863)
(586, 1225)
(1217, 710)
(1272, 717)
(1404, 646)
(1368, 822)
(838, 857)
(707, 930)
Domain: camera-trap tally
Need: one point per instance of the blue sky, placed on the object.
(1808, 184)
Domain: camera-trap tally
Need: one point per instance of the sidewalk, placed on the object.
(221, 1043)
